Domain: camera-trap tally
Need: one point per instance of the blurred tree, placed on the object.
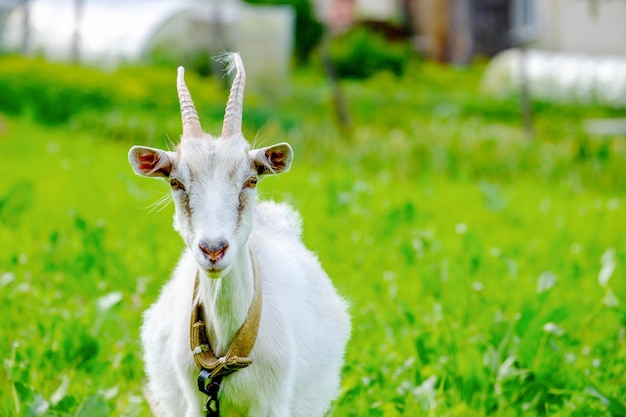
(362, 52)
(309, 30)
(79, 7)
(26, 26)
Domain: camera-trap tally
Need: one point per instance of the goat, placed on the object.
(230, 239)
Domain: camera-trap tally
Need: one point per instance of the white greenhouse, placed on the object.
(108, 32)
(560, 77)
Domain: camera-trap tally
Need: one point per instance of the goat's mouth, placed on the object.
(215, 262)
(213, 269)
(215, 272)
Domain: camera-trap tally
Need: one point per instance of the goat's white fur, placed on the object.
(304, 325)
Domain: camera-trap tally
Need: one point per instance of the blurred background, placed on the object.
(577, 45)
(460, 167)
(109, 32)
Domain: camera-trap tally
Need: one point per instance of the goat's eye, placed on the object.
(176, 185)
(250, 182)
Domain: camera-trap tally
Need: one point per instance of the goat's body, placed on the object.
(304, 324)
(300, 345)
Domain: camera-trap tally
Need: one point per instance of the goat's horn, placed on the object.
(234, 108)
(191, 121)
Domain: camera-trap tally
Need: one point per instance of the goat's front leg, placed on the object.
(277, 401)
(277, 409)
(186, 377)
(281, 411)
(191, 395)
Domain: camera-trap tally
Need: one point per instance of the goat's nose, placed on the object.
(214, 251)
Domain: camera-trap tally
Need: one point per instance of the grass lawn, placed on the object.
(485, 271)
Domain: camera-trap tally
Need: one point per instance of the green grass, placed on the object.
(471, 256)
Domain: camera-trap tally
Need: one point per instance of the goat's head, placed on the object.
(213, 180)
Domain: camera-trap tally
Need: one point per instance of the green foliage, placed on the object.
(361, 53)
(485, 271)
(51, 95)
(309, 30)
(120, 104)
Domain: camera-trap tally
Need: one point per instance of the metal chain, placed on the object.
(210, 387)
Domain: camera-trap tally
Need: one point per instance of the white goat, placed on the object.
(304, 324)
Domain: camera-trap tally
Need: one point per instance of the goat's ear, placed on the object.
(272, 159)
(150, 162)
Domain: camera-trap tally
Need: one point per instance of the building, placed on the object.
(457, 30)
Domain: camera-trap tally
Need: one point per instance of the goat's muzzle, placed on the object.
(213, 252)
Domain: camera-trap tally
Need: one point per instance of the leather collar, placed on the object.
(237, 356)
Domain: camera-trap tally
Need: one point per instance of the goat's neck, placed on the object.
(226, 301)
